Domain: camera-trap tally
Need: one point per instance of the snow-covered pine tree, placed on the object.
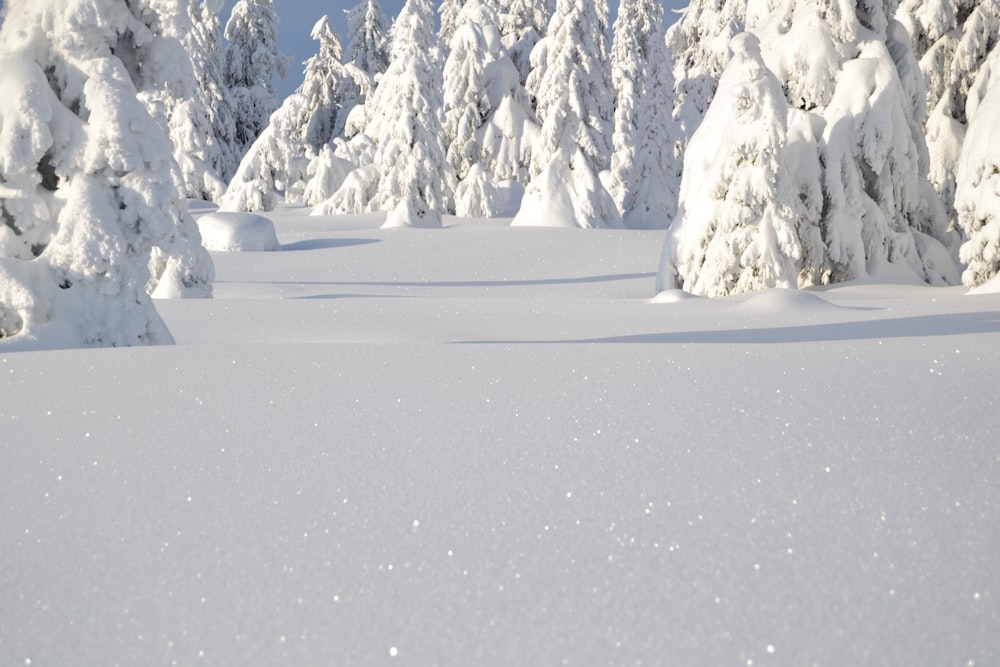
(699, 42)
(854, 140)
(205, 47)
(523, 24)
(575, 105)
(737, 227)
(952, 38)
(878, 204)
(977, 198)
(368, 37)
(488, 119)
(449, 11)
(251, 61)
(87, 184)
(278, 161)
(645, 169)
(406, 123)
(475, 43)
(366, 58)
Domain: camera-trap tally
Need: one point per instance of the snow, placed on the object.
(487, 445)
(238, 232)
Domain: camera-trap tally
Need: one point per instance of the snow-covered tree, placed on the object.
(738, 228)
(87, 184)
(205, 47)
(406, 124)
(523, 24)
(475, 43)
(252, 60)
(575, 105)
(278, 161)
(645, 169)
(699, 42)
(849, 79)
(977, 198)
(488, 120)
(366, 58)
(952, 38)
(368, 37)
(449, 11)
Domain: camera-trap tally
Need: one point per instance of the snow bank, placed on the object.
(238, 232)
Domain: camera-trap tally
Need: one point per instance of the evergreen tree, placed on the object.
(87, 185)
(466, 101)
(523, 24)
(977, 198)
(406, 124)
(952, 38)
(449, 10)
(736, 229)
(368, 38)
(251, 61)
(853, 141)
(699, 43)
(367, 57)
(645, 170)
(278, 160)
(575, 104)
(205, 46)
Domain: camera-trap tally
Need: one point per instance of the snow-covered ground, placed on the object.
(486, 445)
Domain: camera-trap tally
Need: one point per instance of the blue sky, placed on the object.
(298, 18)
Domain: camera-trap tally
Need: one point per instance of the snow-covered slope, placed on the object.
(486, 445)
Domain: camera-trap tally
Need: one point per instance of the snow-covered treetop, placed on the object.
(252, 57)
(368, 37)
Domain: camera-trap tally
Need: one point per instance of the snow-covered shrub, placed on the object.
(87, 181)
(238, 232)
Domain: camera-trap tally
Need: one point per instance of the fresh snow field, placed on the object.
(486, 445)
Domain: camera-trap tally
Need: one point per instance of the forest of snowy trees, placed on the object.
(780, 144)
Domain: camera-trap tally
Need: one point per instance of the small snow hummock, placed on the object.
(238, 232)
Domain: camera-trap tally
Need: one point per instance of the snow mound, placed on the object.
(989, 287)
(673, 296)
(783, 300)
(238, 232)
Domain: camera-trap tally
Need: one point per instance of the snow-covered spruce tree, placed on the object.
(205, 47)
(278, 161)
(366, 58)
(738, 225)
(575, 104)
(878, 204)
(368, 37)
(977, 198)
(645, 167)
(846, 70)
(251, 61)
(952, 38)
(86, 178)
(474, 45)
(488, 119)
(699, 42)
(406, 124)
(523, 24)
(449, 11)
